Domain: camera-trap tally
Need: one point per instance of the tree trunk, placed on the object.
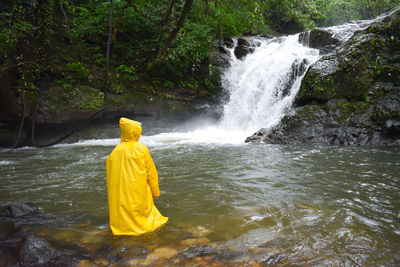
(66, 20)
(106, 78)
(179, 25)
(164, 25)
(119, 19)
(370, 8)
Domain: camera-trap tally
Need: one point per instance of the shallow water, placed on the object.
(272, 204)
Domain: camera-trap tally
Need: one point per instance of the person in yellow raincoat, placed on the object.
(132, 184)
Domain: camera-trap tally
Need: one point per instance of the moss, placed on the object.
(343, 110)
(309, 112)
(320, 89)
(326, 88)
(78, 97)
(91, 99)
(391, 73)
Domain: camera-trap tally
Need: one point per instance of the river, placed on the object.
(296, 205)
(229, 203)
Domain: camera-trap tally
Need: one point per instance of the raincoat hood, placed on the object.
(130, 130)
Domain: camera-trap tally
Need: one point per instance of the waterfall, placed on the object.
(262, 86)
(260, 89)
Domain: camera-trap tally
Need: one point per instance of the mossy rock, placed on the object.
(350, 71)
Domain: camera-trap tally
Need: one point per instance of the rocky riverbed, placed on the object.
(31, 237)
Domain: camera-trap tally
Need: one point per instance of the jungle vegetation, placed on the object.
(117, 46)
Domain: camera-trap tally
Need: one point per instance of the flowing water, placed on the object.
(228, 202)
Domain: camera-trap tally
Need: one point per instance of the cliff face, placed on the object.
(351, 95)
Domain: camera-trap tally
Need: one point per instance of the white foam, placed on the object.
(208, 135)
(92, 142)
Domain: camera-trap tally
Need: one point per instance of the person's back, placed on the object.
(132, 183)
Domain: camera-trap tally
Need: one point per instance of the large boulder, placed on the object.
(19, 209)
(220, 56)
(245, 46)
(338, 122)
(369, 55)
(319, 38)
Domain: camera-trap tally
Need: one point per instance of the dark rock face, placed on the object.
(318, 38)
(36, 251)
(338, 122)
(350, 96)
(20, 209)
(242, 46)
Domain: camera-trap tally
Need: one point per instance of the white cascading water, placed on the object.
(261, 88)
(263, 85)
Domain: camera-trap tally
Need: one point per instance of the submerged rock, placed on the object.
(19, 209)
(26, 239)
(36, 251)
(200, 231)
(159, 254)
(192, 241)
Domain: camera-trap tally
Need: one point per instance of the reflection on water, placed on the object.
(280, 205)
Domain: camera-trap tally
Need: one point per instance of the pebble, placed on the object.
(200, 231)
(85, 263)
(160, 253)
(66, 235)
(192, 241)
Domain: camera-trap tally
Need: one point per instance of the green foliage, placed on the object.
(78, 69)
(36, 48)
(126, 72)
(377, 65)
(341, 11)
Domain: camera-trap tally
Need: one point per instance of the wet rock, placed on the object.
(187, 242)
(19, 209)
(297, 69)
(200, 231)
(93, 236)
(319, 38)
(196, 251)
(6, 227)
(387, 109)
(36, 251)
(160, 253)
(338, 122)
(245, 46)
(221, 61)
(350, 71)
(202, 241)
(192, 241)
(66, 235)
(393, 126)
(93, 263)
(23, 214)
(350, 96)
(85, 263)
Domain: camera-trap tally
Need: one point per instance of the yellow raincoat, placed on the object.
(132, 183)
